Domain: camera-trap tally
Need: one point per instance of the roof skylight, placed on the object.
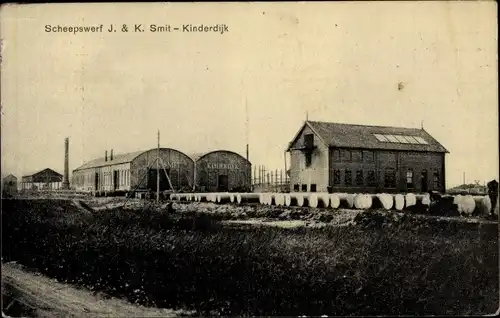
(403, 139)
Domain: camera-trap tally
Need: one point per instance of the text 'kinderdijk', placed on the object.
(220, 28)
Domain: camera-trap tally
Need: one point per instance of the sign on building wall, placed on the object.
(229, 166)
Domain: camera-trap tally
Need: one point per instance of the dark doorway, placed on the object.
(116, 183)
(152, 175)
(423, 181)
(223, 183)
(96, 181)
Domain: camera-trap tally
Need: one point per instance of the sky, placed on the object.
(255, 83)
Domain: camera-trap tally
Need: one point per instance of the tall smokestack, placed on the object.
(65, 184)
(111, 155)
(106, 155)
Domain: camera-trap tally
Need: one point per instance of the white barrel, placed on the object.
(483, 205)
(262, 198)
(458, 200)
(468, 205)
(362, 201)
(334, 201)
(232, 197)
(346, 200)
(426, 199)
(313, 200)
(323, 200)
(399, 202)
(410, 199)
(290, 199)
(279, 199)
(386, 200)
(300, 199)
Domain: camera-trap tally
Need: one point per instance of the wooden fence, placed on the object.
(264, 180)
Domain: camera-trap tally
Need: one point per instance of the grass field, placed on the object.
(383, 265)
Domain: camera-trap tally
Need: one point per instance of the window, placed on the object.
(359, 177)
(390, 178)
(304, 188)
(401, 139)
(372, 182)
(346, 155)
(348, 177)
(356, 156)
(296, 187)
(380, 137)
(409, 179)
(421, 140)
(308, 159)
(336, 154)
(435, 180)
(336, 177)
(369, 156)
(309, 141)
(313, 188)
(412, 140)
(391, 138)
(404, 139)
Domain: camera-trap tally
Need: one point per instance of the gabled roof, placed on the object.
(362, 136)
(117, 159)
(53, 172)
(10, 176)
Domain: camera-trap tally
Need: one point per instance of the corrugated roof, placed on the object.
(117, 159)
(197, 155)
(362, 136)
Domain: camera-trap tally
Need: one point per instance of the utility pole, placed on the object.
(158, 171)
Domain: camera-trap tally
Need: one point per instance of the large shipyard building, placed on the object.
(136, 171)
(337, 157)
(221, 171)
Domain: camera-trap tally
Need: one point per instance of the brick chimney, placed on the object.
(65, 184)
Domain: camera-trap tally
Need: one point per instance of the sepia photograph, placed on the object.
(200, 159)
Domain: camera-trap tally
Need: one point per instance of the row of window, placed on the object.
(353, 155)
(123, 178)
(303, 188)
(346, 155)
(389, 178)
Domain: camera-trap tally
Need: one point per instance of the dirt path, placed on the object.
(53, 299)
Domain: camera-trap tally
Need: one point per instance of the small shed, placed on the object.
(9, 185)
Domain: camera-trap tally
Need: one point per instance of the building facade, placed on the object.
(136, 171)
(370, 159)
(222, 171)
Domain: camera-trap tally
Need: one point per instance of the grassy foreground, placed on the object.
(191, 261)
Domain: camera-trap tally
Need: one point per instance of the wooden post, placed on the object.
(276, 180)
(281, 179)
(158, 170)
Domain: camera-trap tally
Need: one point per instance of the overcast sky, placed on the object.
(338, 61)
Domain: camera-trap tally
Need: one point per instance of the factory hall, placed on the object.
(335, 157)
